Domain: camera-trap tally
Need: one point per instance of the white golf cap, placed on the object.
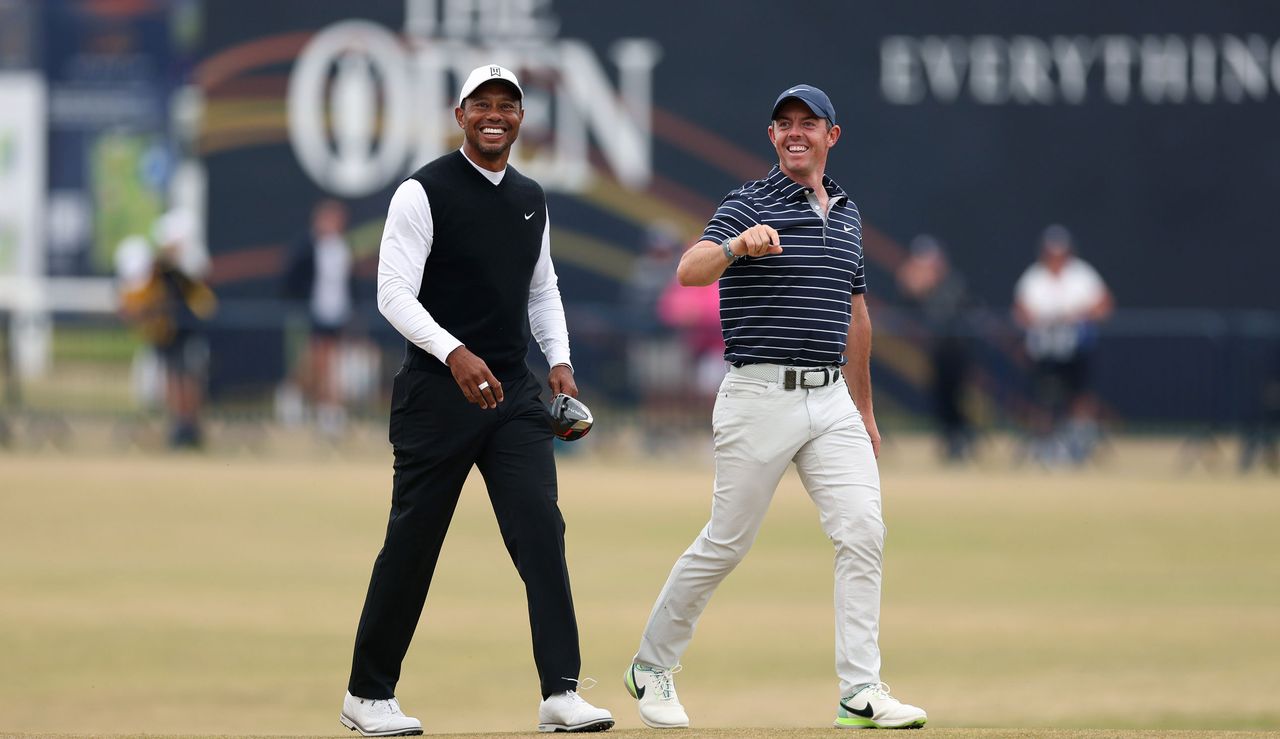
(175, 227)
(133, 261)
(483, 74)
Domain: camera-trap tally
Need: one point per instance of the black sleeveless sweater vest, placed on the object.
(487, 239)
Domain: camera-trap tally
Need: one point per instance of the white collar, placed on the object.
(494, 177)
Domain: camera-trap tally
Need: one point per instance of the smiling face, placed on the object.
(490, 121)
(802, 140)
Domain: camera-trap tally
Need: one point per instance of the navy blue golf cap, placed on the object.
(811, 96)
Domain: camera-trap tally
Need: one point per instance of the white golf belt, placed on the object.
(805, 376)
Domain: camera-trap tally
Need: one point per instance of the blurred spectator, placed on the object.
(651, 273)
(694, 313)
(1058, 302)
(163, 295)
(655, 356)
(319, 274)
(940, 299)
(1261, 442)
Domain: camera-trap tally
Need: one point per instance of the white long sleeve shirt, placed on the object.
(402, 257)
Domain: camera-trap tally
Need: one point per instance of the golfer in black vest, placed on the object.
(465, 274)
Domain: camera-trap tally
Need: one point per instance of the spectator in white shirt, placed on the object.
(1058, 302)
(319, 274)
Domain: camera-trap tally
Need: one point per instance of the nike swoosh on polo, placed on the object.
(863, 712)
(529, 215)
(640, 688)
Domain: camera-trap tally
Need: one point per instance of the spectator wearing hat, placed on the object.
(1059, 302)
(164, 296)
(940, 299)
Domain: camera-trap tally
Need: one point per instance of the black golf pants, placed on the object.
(437, 437)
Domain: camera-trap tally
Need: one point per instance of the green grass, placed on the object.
(218, 594)
(95, 344)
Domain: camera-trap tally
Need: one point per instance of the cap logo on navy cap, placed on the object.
(816, 100)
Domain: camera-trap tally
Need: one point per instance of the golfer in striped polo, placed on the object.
(787, 251)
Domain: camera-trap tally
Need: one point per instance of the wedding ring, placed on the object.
(483, 385)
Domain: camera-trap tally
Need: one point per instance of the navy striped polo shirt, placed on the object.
(791, 308)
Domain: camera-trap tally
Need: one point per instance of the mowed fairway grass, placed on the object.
(218, 594)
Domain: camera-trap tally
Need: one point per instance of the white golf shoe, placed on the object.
(377, 717)
(655, 689)
(873, 708)
(567, 711)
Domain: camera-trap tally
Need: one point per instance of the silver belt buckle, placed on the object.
(826, 377)
(796, 377)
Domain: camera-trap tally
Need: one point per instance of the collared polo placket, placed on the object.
(832, 201)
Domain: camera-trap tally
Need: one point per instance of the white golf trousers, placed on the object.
(759, 429)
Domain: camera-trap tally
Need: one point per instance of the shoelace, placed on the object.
(665, 684)
(880, 690)
(389, 706)
(586, 683)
